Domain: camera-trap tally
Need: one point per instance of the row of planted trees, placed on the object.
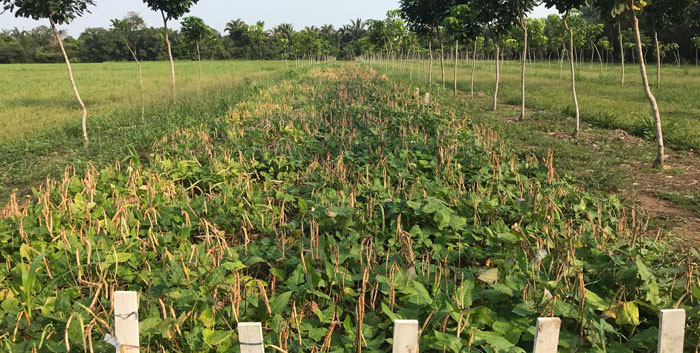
(505, 26)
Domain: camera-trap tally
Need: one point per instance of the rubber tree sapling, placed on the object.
(57, 12)
(523, 7)
(497, 16)
(196, 31)
(631, 7)
(170, 10)
(660, 14)
(696, 44)
(565, 7)
(126, 29)
(424, 18)
(462, 22)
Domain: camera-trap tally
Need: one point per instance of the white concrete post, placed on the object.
(547, 335)
(671, 331)
(405, 336)
(126, 322)
(250, 337)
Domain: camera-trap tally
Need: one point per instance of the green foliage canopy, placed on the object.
(58, 11)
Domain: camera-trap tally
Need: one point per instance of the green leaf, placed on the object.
(279, 302)
(449, 340)
(627, 314)
(215, 338)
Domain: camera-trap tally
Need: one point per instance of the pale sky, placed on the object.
(217, 13)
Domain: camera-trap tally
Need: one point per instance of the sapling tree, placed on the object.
(696, 44)
(631, 7)
(256, 33)
(424, 18)
(170, 10)
(660, 14)
(57, 12)
(126, 29)
(462, 22)
(196, 31)
(565, 7)
(523, 7)
(497, 16)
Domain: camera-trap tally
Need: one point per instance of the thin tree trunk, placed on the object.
(456, 56)
(442, 57)
(430, 64)
(86, 141)
(138, 63)
(577, 128)
(622, 52)
(522, 69)
(660, 158)
(600, 57)
(561, 62)
(170, 53)
(199, 61)
(474, 66)
(498, 77)
(409, 60)
(658, 59)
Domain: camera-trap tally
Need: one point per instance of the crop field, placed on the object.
(603, 100)
(324, 206)
(36, 98)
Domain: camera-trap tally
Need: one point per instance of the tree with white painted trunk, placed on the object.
(424, 18)
(631, 7)
(497, 17)
(462, 23)
(57, 12)
(565, 7)
(170, 10)
(523, 7)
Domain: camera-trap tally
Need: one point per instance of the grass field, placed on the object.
(40, 133)
(38, 97)
(603, 100)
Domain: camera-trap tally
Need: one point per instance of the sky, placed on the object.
(216, 13)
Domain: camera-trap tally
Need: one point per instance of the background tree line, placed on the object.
(595, 39)
(238, 41)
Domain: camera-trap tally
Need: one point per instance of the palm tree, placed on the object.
(327, 29)
(235, 28)
(284, 30)
(358, 28)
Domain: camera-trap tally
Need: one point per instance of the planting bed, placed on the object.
(328, 206)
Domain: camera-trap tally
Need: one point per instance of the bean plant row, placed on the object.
(330, 205)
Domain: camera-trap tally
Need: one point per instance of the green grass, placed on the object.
(36, 98)
(44, 148)
(690, 202)
(603, 100)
